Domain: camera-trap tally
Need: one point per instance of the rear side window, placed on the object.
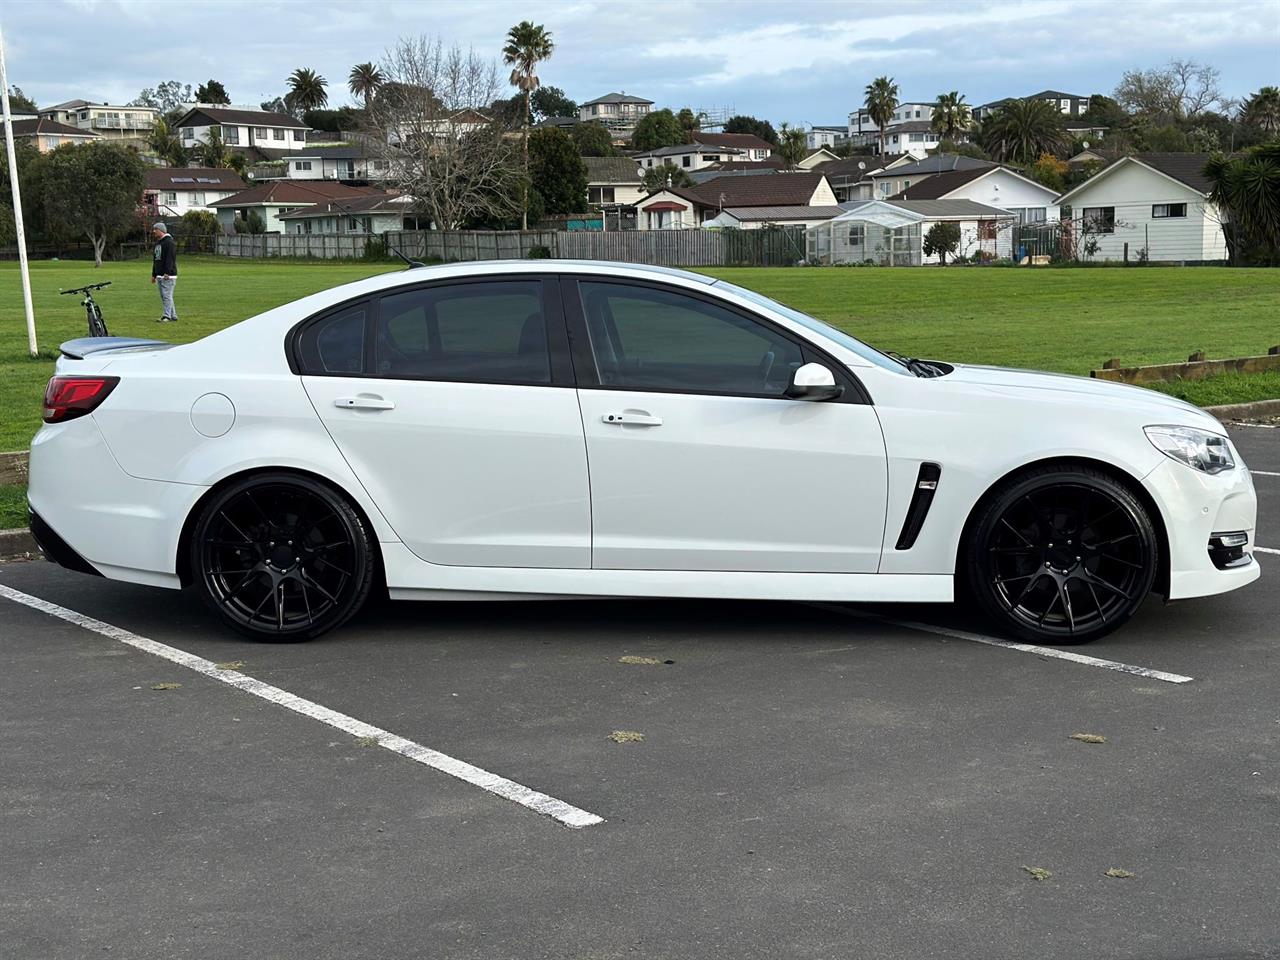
(493, 332)
(335, 344)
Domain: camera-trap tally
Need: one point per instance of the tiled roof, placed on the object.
(761, 214)
(617, 98)
(742, 141)
(31, 128)
(776, 190)
(294, 191)
(937, 163)
(940, 184)
(372, 203)
(249, 118)
(612, 170)
(193, 178)
(1186, 168)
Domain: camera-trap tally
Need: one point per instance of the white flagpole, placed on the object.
(17, 205)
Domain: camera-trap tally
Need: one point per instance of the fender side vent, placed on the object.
(921, 499)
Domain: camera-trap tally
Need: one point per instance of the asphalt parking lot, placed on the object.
(813, 781)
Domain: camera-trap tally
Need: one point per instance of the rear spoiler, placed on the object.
(84, 346)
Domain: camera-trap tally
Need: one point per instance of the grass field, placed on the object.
(1062, 320)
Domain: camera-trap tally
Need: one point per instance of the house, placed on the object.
(1071, 105)
(891, 232)
(277, 197)
(270, 134)
(50, 134)
(819, 155)
(613, 181)
(901, 175)
(707, 149)
(336, 161)
(104, 119)
(675, 208)
(850, 177)
(994, 186)
(753, 218)
(917, 135)
(172, 191)
(1153, 202)
(619, 112)
(374, 213)
(816, 137)
(864, 132)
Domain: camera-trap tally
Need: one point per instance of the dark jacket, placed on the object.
(165, 261)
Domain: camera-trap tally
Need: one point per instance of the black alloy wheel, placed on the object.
(281, 557)
(1062, 555)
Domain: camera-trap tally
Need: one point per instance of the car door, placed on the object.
(698, 461)
(454, 404)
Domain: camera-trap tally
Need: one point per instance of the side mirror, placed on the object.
(813, 381)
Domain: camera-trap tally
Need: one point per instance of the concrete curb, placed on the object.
(1246, 411)
(18, 544)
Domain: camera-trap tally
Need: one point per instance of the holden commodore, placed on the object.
(575, 429)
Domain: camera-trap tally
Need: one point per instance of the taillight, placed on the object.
(69, 397)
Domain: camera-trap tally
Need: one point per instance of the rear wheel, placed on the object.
(1062, 555)
(281, 557)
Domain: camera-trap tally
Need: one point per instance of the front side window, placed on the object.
(644, 338)
(491, 332)
(1160, 211)
(1100, 219)
(335, 344)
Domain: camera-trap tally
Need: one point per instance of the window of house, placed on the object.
(711, 157)
(1030, 214)
(916, 137)
(188, 133)
(300, 135)
(600, 194)
(260, 133)
(306, 226)
(231, 135)
(986, 229)
(301, 165)
(684, 161)
(171, 197)
(493, 332)
(379, 164)
(645, 338)
(277, 133)
(895, 138)
(1160, 211)
(857, 234)
(196, 198)
(1100, 219)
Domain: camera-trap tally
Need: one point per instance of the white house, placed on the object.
(816, 137)
(891, 232)
(753, 218)
(172, 191)
(108, 121)
(851, 177)
(337, 161)
(274, 198)
(267, 131)
(708, 149)
(676, 208)
(372, 214)
(1153, 202)
(897, 175)
(619, 112)
(999, 187)
(613, 181)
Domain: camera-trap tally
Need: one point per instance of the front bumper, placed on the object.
(1197, 508)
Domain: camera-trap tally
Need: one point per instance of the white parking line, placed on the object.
(566, 814)
(1053, 652)
(1266, 550)
(1263, 473)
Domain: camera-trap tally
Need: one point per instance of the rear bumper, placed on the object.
(55, 548)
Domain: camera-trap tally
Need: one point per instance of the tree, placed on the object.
(364, 81)
(1105, 112)
(1022, 130)
(760, 128)
(1180, 90)
(655, 178)
(551, 102)
(592, 139)
(881, 100)
(164, 143)
(557, 172)
(1262, 111)
(943, 238)
(19, 102)
(528, 44)
(92, 189)
(690, 123)
(962, 149)
(213, 152)
(659, 128)
(275, 106)
(791, 144)
(1246, 193)
(951, 115)
(212, 92)
(167, 97)
(306, 91)
(200, 223)
(458, 170)
(1049, 171)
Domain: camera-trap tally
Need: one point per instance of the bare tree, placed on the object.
(1179, 91)
(428, 121)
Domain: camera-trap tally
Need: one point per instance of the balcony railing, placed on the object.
(123, 123)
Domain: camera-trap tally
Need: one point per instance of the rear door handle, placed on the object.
(632, 418)
(364, 403)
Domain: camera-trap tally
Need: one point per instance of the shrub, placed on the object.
(539, 252)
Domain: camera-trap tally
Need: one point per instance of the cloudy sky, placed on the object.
(805, 61)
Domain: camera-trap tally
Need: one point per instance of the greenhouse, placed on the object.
(890, 233)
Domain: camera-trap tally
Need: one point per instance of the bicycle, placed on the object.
(97, 326)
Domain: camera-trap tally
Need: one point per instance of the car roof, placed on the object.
(480, 268)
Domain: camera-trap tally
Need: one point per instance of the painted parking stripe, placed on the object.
(1266, 550)
(1052, 652)
(1263, 473)
(558, 810)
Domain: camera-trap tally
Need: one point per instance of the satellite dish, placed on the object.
(862, 165)
(1085, 144)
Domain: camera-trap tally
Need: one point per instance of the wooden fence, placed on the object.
(774, 247)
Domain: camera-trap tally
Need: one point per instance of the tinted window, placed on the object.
(482, 332)
(335, 344)
(645, 338)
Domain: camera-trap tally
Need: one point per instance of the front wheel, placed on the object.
(281, 557)
(1061, 555)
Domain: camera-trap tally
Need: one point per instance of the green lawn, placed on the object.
(1051, 319)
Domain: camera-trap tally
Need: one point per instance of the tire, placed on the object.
(1061, 555)
(281, 557)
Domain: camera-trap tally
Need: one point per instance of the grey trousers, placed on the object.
(166, 285)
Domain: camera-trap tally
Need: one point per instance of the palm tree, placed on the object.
(1262, 110)
(882, 100)
(528, 44)
(364, 81)
(1022, 130)
(1246, 193)
(306, 91)
(791, 144)
(213, 152)
(951, 115)
(164, 144)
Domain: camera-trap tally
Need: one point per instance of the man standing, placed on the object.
(164, 270)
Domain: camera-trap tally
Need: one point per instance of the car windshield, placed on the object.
(863, 350)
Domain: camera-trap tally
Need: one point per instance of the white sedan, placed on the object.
(573, 429)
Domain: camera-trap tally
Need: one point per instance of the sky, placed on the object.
(802, 61)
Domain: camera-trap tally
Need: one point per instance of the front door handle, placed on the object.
(364, 403)
(632, 418)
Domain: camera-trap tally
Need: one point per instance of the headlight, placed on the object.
(1198, 449)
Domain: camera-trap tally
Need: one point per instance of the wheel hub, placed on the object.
(1062, 556)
